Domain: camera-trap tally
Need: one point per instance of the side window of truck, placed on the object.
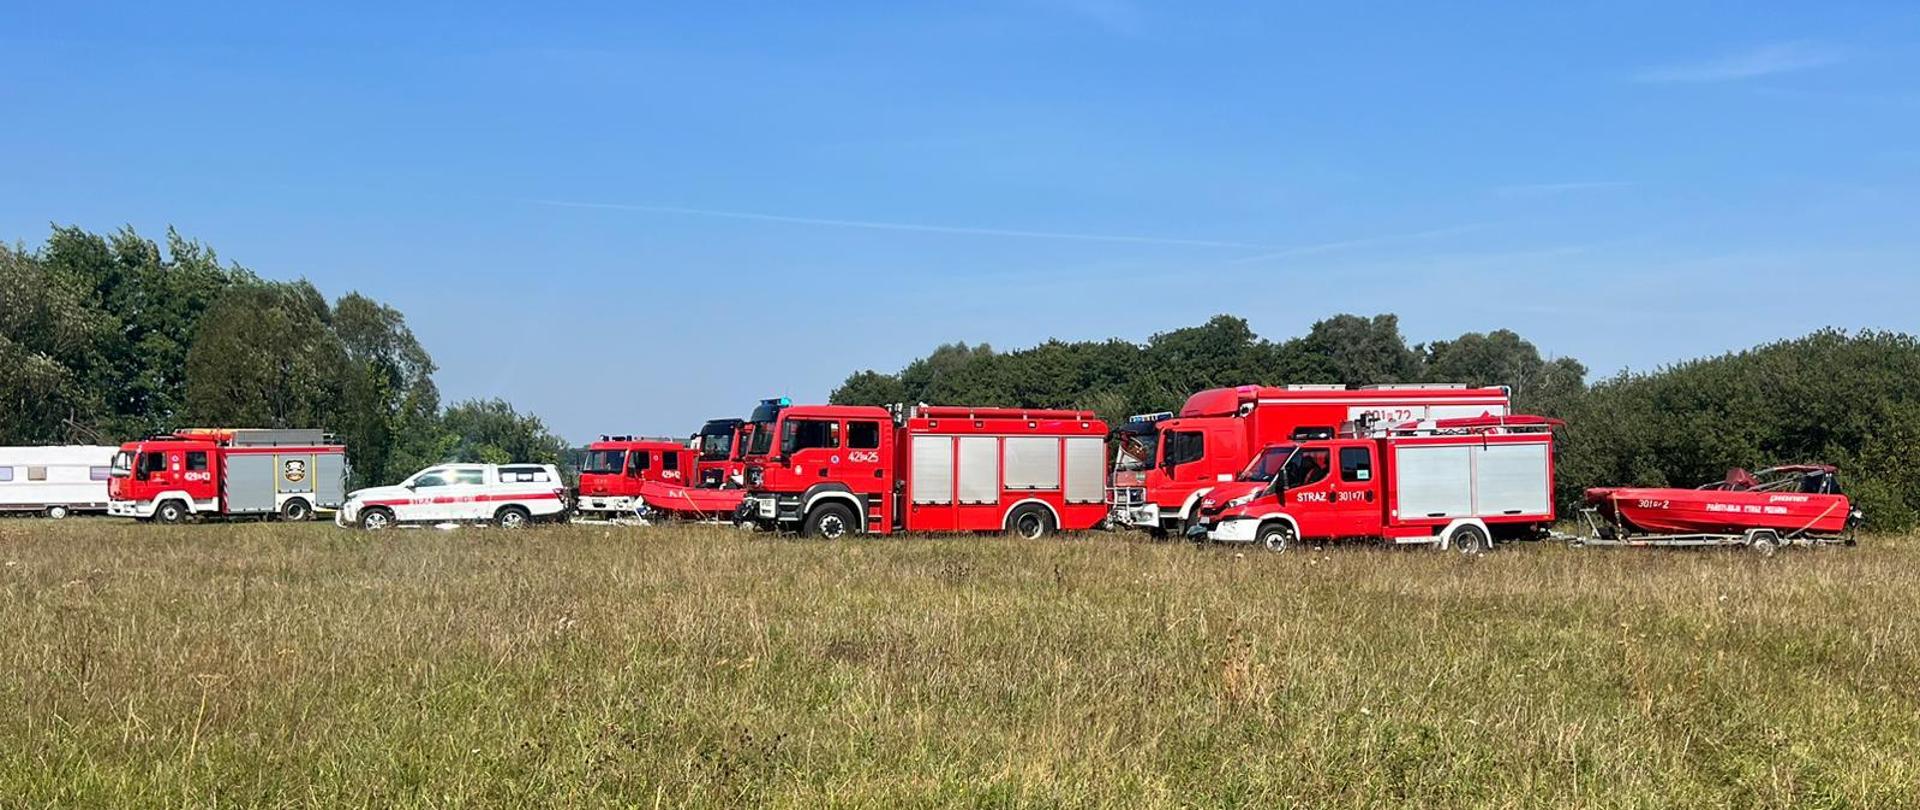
(154, 462)
(811, 433)
(1183, 447)
(863, 435)
(196, 460)
(1309, 466)
(639, 461)
(669, 461)
(1356, 464)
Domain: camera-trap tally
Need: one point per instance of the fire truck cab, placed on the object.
(1169, 462)
(719, 446)
(223, 471)
(616, 467)
(830, 471)
(1459, 483)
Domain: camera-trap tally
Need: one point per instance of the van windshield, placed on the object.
(1267, 463)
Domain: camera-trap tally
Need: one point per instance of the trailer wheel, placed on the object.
(512, 517)
(376, 518)
(170, 512)
(1276, 537)
(56, 512)
(831, 521)
(1031, 522)
(296, 510)
(1767, 543)
(1469, 540)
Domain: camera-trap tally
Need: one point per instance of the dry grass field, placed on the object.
(306, 665)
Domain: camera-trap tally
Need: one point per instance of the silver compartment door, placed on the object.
(932, 480)
(1511, 479)
(1033, 462)
(249, 482)
(329, 480)
(1086, 470)
(979, 469)
(1434, 482)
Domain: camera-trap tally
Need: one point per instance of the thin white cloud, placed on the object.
(902, 226)
(1766, 60)
(1349, 244)
(1542, 189)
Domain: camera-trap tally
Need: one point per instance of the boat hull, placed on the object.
(693, 503)
(1702, 511)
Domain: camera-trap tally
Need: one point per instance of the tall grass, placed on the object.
(304, 665)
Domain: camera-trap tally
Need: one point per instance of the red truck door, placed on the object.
(866, 465)
(1310, 492)
(1356, 490)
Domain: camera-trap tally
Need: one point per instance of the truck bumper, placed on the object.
(132, 509)
(1143, 516)
(1241, 530)
(622, 504)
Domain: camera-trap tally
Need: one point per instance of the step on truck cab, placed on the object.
(830, 471)
(617, 467)
(1453, 483)
(225, 472)
(1167, 462)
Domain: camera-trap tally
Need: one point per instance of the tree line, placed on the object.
(1847, 399)
(108, 338)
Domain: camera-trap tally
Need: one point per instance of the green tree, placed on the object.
(266, 356)
(389, 404)
(493, 432)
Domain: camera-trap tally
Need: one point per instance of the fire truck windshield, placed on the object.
(122, 465)
(762, 442)
(1268, 463)
(718, 445)
(1138, 447)
(604, 462)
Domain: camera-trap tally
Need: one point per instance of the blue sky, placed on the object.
(632, 217)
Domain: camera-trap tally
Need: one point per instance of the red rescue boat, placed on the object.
(1794, 501)
(677, 500)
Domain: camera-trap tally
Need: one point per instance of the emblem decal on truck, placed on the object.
(296, 470)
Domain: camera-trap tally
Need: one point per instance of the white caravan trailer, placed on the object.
(55, 481)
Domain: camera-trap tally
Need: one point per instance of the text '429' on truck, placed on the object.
(830, 471)
(224, 472)
(1168, 462)
(1452, 483)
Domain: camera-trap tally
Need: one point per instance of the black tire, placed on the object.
(296, 510)
(1030, 522)
(1276, 537)
(830, 521)
(1470, 541)
(512, 517)
(1765, 543)
(57, 512)
(170, 513)
(376, 518)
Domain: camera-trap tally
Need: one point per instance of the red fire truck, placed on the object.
(833, 470)
(616, 467)
(1452, 483)
(720, 445)
(1168, 462)
(204, 472)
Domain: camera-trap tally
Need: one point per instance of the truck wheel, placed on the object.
(1276, 537)
(56, 512)
(1469, 540)
(375, 518)
(1030, 522)
(296, 510)
(512, 517)
(831, 521)
(1767, 543)
(170, 512)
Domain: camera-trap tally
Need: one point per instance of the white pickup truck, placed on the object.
(507, 495)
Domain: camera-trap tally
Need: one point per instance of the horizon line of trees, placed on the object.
(1852, 400)
(107, 338)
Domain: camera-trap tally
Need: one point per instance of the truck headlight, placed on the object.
(1241, 501)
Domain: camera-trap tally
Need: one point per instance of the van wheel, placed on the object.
(831, 521)
(170, 512)
(296, 510)
(1276, 537)
(1030, 522)
(375, 519)
(56, 512)
(512, 517)
(1469, 540)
